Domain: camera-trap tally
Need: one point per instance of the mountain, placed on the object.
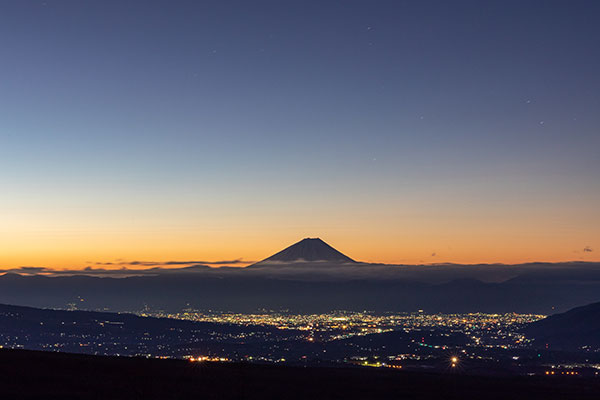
(308, 250)
(311, 276)
(574, 329)
(303, 287)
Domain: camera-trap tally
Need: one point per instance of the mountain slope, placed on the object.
(577, 328)
(308, 250)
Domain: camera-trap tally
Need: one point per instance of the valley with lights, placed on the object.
(459, 343)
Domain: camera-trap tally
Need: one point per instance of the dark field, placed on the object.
(41, 375)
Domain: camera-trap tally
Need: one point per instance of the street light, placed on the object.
(454, 361)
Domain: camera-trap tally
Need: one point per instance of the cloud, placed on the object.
(122, 272)
(436, 273)
(121, 268)
(587, 249)
(32, 269)
(25, 270)
(163, 263)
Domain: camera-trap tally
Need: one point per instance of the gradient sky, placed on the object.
(399, 132)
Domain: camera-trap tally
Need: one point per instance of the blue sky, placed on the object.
(383, 118)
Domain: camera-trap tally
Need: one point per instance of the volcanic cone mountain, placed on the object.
(307, 251)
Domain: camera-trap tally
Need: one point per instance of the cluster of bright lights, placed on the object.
(562, 373)
(208, 359)
(454, 361)
(490, 330)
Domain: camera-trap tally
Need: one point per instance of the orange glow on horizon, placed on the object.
(114, 251)
(392, 233)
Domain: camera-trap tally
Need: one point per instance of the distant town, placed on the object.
(442, 342)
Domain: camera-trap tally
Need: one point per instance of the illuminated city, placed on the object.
(394, 340)
(485, 330)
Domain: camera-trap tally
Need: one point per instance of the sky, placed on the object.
(397, 131)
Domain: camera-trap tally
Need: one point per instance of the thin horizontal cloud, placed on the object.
(129, 271)
(238, 261)
(123, 271)
(25, 270)
(433, 273)
(32, 269)
(129, 268)
(587, 249)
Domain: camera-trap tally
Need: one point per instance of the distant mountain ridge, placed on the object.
(311, 276)
(308, 250)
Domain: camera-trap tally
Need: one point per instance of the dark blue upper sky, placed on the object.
(447, 110)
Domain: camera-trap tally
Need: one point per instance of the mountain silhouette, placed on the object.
(571, 330)
(308, 250)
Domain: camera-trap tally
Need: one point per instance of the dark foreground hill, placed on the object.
(37, 375)
(573, 330)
